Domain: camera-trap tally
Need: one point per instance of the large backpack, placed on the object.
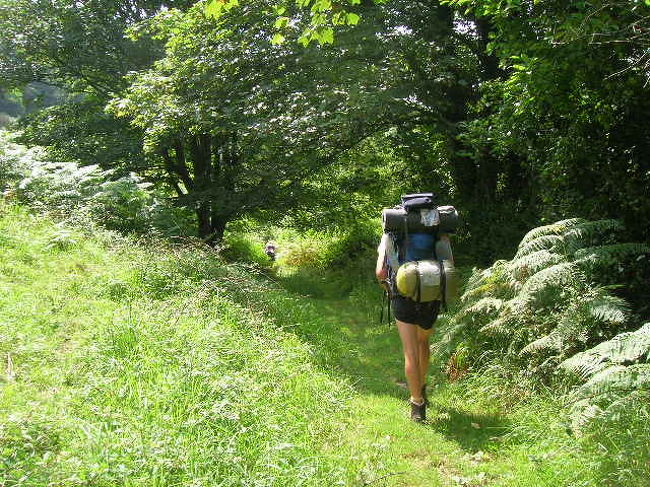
(428, 277)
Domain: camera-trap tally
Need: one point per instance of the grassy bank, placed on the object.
(138, 364)
(124, 369)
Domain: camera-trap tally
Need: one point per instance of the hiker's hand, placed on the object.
(383, 283)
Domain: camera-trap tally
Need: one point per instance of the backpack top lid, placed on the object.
(418, 200)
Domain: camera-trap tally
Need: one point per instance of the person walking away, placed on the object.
(414, 315)
(269, 250)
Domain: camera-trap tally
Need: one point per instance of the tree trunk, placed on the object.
(218, 223)
(203, 220)
(211, 183)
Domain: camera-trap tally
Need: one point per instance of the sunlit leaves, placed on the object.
(314, 20)
(352, 18)
(215, 8)
(277, 39)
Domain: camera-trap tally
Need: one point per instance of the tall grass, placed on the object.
(130, 371)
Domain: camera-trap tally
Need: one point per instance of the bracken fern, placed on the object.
(545, 305)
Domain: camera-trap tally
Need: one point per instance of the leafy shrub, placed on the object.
(551, 310)
(88, 194)
(12, 162)
(356, 243)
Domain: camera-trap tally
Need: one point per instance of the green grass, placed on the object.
(130, 364)
(125, 372)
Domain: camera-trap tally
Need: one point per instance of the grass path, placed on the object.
(472, 436)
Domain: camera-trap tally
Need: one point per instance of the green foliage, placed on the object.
(213, 124)
(546, 304)
(533, 313)
(327, 263)
(80, 130)
(98, 382)
(116, 349)
(624, 349)
(88, 194)
(569, 105)
(615, 371)
(324, 16)
(13, 165)
(618, 442)
(80, 46)
(242, 243)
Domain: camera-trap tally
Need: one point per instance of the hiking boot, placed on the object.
(418, 411)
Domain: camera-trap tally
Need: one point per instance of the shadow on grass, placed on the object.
(368, 353)
(472, 432)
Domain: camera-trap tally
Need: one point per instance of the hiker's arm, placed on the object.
(380, 269)
(443, 248)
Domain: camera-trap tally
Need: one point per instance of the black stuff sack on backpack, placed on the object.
(418, 200)
(443, 219)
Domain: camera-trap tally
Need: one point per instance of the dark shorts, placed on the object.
(422, 314)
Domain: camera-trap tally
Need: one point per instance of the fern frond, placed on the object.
(501, 326)
(615, 380)
(607, 309)
(544, 242)
(556, 228)
(581, 320)
(584, 412)
(585, 234)
(625, 348)
(617, 389)
(530, 264)
(610, 253)
(552, 341)
(478, 278)
(557, 275)
(485, 306)
(478, 284)
(472, 295)
(547, 292)
(450, 336)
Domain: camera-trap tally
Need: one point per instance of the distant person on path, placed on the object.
(414, 317)
(269, 250)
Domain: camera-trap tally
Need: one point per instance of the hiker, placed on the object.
(269, 250)
(415, 269)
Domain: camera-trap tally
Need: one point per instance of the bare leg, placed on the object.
(424, 353)
(412, 357)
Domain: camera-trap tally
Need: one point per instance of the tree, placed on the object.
(573, 106)
(80, 48)
(241, 128)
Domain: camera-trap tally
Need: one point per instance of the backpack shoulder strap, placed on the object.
(405, 238)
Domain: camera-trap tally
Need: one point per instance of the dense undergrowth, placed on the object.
(551, 316)
(126, 368)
